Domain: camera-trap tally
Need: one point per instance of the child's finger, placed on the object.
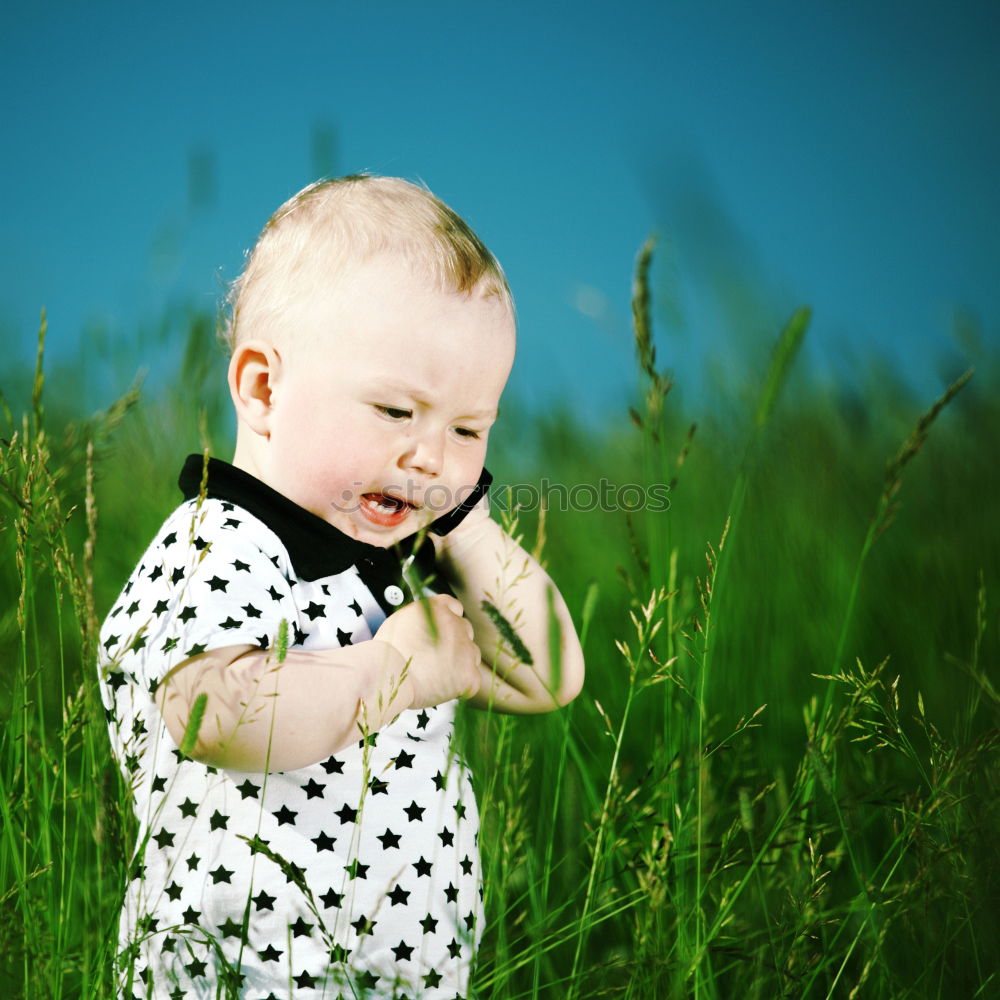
(453, 604)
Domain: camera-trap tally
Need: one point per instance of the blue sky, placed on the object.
(841, 155)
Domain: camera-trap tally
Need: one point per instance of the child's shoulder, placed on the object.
(206, 553)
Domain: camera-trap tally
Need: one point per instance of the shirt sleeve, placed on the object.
(214, 576)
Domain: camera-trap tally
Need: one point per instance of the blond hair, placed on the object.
(328, 226)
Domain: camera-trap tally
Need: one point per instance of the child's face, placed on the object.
(380, 414)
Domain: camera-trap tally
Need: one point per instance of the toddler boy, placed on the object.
(291, 624)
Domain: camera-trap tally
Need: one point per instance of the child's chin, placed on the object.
(385, 536)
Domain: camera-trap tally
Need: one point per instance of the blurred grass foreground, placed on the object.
(782, 777)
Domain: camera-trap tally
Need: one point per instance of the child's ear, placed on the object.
(253, 372)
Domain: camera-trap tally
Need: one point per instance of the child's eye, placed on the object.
(393, 412)
(467, 432)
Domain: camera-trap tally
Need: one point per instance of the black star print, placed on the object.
(346, 814)
(357, 870)
(193, 862)
(429, 924)
(239, 564)
(304, 981)
(363, 925)
(156, 572)
(230, 928)
(168, 645)
(454, 949)
(173, 891)
(398, 896)
(423, 867)
(447, 837)
(160, 607)
(191, 915)
(333, 766)
(264, 901)
(232, 522)
(332, 899)
(460, 810)
(112, 640)
(466, 865)
(132, 608)
(168, 944)
(169, 540)
(131, 763)
(344, 638)
(432, 979)
(196, 968)
(439, 781)
(355, 607)
(414, 812)
(470, 921)
(339, 954)
(403, 759)
(200, 543)
(219, 821)
(116, 678)
(226, 506)
(164, 839)
(273, 594)
(313, 789)
(300, 928)
(367, 980)
(248, 790)
(137, 643)
(188, 808)
(294, 873)
(250, 611)
(451, 893)
(389, 839)
(177, 575)
(324, 842)
(422, 719)
(229, 623)
(299, 636)
(269, 954)
(196, 650)
(221, 874)
(314, 611)
(257, 844)
(378, 786)
(217, 583)
(263, 641)
(285, 815)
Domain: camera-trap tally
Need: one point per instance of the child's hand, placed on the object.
(439, 668)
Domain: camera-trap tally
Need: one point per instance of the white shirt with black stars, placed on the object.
(358, 876)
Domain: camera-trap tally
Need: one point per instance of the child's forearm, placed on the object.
(264, 716)
(483, 563)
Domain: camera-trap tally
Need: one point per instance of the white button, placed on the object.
(394, 595)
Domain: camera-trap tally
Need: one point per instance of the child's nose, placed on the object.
(425, 454)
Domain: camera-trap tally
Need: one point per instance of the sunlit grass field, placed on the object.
(782, 777)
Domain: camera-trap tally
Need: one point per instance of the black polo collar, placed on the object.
(316, 548)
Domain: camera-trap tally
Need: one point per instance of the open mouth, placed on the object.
(384, 510)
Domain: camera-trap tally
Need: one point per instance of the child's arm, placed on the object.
(483, 563)
(265, 716)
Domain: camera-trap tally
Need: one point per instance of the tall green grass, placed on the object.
(781, 779)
